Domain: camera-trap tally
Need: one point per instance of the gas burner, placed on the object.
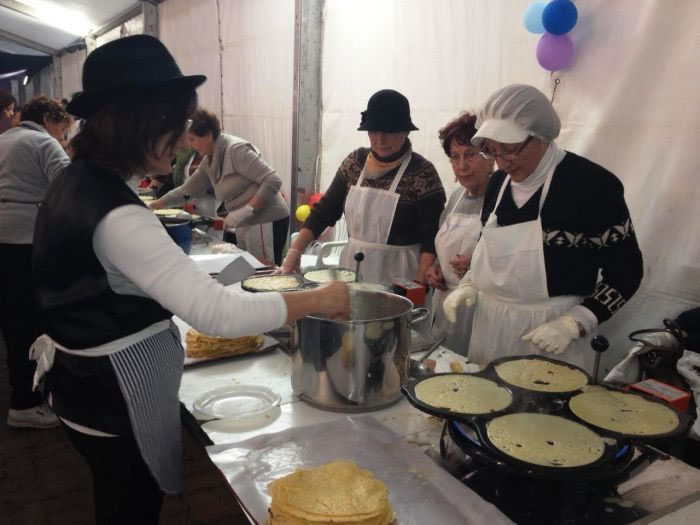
(529, 500)
(538, 502)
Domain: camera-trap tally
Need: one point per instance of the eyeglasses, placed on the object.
(508, 155)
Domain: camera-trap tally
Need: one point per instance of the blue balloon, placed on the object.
(559, 17)
(532, 17)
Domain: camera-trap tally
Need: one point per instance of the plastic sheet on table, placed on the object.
(420, 491)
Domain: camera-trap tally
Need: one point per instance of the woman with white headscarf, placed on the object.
(553, 222)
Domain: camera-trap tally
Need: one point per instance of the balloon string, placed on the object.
(557, 81)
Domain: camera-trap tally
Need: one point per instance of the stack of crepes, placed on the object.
(199, 345)
(337, 492)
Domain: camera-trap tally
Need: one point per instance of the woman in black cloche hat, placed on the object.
(392, 198)
(109, 278)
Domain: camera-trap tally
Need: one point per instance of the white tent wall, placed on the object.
(246, 50)
(190, 30)
(133, 26)
(72, 72)
(45, 77)
(257, 37)
(629, 101)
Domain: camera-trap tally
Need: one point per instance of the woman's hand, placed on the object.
(156, 204)
(435, 278)
(331, 300)
(291, 263)
(460, 264)
(237, 217)
(334, 300)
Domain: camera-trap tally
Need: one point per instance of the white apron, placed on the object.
(369, 213)
(508, 270)
(257, 240)
(458, 235)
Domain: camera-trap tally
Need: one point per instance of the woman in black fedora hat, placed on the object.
(392, 198)
(108, 279)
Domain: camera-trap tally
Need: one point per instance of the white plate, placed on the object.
(237, 402)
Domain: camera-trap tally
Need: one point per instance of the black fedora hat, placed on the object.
(387, 110)
(124, 67)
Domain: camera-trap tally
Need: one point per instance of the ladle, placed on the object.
(359, 257)
(417, 368)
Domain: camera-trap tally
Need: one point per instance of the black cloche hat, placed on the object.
(123, 67)
(387, 110)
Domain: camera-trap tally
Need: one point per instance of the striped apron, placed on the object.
(149, 373)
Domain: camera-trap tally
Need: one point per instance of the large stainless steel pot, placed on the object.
(359, 364)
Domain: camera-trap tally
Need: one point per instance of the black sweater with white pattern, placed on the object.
(586, 229)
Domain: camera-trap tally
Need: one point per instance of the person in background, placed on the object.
(109, 278)
(248, 187)
(161, 184)
(392, 198)
(17, 117)
(64, 139)
(552, 223)
(460, 225)
(8, 104)
(30, 158)
(186, 163)
(56, 120)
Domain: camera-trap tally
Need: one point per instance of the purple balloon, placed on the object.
(554, 52)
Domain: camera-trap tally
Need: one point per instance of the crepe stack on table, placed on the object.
(337, 492)
(199, 345)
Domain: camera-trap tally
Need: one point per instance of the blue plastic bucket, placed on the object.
(180, 230)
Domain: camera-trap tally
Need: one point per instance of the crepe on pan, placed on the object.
(463, 394)
(541, 375)
(325, 276)
(271, 283)
(336, 492)
(544, 439)
(624, 413)
(198, 345)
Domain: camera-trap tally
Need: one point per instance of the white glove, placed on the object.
(628, 370)
(291, 263)
(465, 294)
(237, 217)
(554, 336)
(688, 366)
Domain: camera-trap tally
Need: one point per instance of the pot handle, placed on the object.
(418, 315)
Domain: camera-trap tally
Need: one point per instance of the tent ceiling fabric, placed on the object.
(9, 63)
(99, 12)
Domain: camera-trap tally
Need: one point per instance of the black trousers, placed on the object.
(124, 489)
(19, 321)
(280, 228)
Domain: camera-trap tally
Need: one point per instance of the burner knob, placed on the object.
(600, 343)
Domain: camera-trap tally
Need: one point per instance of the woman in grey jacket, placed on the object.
(30, 158)
(243, 181)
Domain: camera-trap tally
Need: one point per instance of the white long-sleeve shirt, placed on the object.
(140, 258)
